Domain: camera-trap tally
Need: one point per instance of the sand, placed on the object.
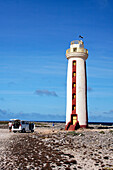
(54, 148)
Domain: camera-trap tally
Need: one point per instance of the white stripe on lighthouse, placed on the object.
(81, 92)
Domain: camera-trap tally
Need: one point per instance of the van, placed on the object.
(22, 126)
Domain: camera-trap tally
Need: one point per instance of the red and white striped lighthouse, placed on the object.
(76, 111)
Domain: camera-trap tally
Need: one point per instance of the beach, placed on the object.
(54, 148)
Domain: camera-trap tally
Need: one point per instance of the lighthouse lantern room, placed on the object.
(76, 111)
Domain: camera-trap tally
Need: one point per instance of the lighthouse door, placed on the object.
(74, 120)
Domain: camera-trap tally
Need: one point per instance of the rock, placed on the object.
(73, 161)
(106, 157)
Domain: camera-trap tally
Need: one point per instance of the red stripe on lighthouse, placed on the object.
(73, 124)
(74, 86)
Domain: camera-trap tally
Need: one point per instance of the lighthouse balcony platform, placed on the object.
(76, 50)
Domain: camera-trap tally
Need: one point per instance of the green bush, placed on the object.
(111, 131)
(102, 132)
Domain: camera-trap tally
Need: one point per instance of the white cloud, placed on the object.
(45, 92)
(89, 89)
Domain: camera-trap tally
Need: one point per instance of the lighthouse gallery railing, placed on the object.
(79, 50)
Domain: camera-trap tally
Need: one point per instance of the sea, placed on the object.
(94, 123)
(50, 121)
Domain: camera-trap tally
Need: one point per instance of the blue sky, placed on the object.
(34, 36)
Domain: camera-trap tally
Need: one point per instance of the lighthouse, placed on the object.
(76, 109)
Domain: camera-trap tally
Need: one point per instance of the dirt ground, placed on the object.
(53, 148)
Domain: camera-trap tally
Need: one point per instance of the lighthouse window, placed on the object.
(74, 96)
(74, 63)
(74, 74)
(74, 85)
(74, 49)
(73, 107)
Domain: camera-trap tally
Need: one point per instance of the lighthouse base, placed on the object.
(71, 127)
(83, 126)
